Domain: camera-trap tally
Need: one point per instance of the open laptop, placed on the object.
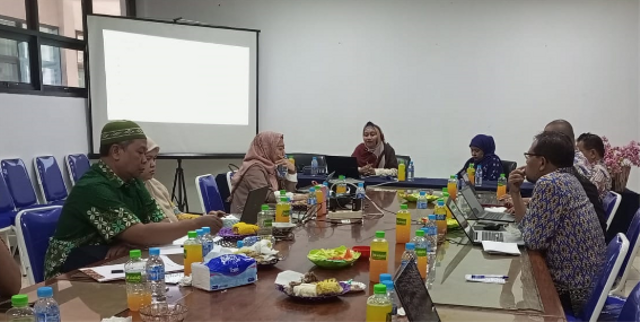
(478, 211)
(414, 296)
(252, 207)
(476, 232)
(343, 166)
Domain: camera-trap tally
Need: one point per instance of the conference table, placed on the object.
(529, 294)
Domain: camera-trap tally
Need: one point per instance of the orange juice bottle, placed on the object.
(342, 186)
(421, 252)
(403, 225)
(502, 186)
(283, 210)
(192, 252)
(402, 173)
(138, 291)
(379, 257)
(320, 201)
(471, 173)
(441, 220)
(452, 186)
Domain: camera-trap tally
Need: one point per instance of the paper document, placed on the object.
(114, 272)
(492, 247)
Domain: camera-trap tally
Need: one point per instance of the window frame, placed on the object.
(36, 39)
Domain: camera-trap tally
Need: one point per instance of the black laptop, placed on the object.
(343, 166)
(413, 295)
(252, 207)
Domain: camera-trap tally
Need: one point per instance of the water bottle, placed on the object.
(431, 235)
(314, 166)
(358, 201)
(265, 222)
(422, 205)
(311, 199)
(409, 254)
(20, 311)
(199, 234)
(138, 294)
(410, 172)
(249, 241)
(46, 308)
(479, 176)
(207, 241)
(155, 275)
(395, 301)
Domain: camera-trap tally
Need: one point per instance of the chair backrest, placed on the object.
(17, 178)
(304, 160)
(631, 309)
(614, 256)
(6, 202)
(209, 194)
(611, 203)
(35, 227)
(508, 166)
(77, 165)
(634, 244)
(50, 179)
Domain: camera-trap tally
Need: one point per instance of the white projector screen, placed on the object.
(193, 89)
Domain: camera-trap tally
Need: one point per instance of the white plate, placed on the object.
(357, 286)
(283, 225)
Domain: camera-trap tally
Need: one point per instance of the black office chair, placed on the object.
(508, 166)
(304, 160)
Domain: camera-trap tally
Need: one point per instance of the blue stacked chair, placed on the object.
(209, 193)
(34, 229)
(77, 165)
(611, 203)
(50, 180)
(20, 187)
(7, 211)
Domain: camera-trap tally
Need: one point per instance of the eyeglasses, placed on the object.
(528, 155)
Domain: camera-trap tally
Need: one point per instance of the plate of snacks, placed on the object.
(308, 287)
(238, 231)
(262, 252)
(338, 257)
(413, 197)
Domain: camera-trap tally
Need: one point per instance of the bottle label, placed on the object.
(401, 222)
(421, 252)
(422, 205)
(267, 222)
(311, 201)
(40, 317)
(433, 230)
(285, 212)
(133, 277)
(156, 274)
(441, 217)
(379, 256)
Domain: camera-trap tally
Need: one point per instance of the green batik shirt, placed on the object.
(99, 207)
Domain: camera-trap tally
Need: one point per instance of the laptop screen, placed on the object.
(414, 296)
(470, 198)
(460, 217)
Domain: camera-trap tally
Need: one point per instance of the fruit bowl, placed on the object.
(333, 258)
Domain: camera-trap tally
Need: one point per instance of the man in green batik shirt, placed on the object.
(110, 211)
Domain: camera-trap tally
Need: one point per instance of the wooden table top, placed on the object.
(263, 302)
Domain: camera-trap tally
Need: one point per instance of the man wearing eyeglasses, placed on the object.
(560, 220)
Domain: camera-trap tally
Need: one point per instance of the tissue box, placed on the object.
(224, 271)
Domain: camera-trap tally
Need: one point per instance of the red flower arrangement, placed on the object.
(616, 158)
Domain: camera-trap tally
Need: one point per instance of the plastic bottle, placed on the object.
(395, 301)
(358, 202)
(199, 234)
(360, 192)
(471, 173)
(342, 186)
(452, 187)
(502, 186)
(379, 257)
(385, 277)
(20, 310)
(240, 244)
(138, 294)
(265, 222)
(312, 199)
(431, 235)
(314, 166)
(192, 252)
(421, 252)
(293, 161)
(403, 225)
(410, 172)
(207, 241)
(422, 205)
(283, 210)
(378, 305)
(441, 220)
(402, 171)
(155, 275)
(478, 173)
(250, 241)
(321, 201)
(409, 254)
(46, 308)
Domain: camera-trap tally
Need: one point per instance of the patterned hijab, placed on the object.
(158, 191)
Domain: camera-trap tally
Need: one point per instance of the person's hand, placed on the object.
(117, 250)
(213, 222)
(511, 210)
(291, 168)
(367, 170)
(516, 178)
(217, 213)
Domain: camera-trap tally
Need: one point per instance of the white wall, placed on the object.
(443, 69)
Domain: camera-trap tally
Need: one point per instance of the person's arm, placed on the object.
(162, 233)
(10, 279)
(540, 223)
(391, 159)
(516, 178)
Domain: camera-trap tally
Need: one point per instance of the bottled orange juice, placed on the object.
(471, 173)
(379, 257)
(138, 291)
(192, 252)
(502, 186)
(441, 220)
(403, 225)
(452, 186)
(283, 210)
(342, 186)
(402, 173)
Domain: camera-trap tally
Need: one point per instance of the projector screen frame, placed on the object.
(184, 22)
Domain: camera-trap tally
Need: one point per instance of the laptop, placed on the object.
(478, 211)
(343, 166)
(476, 232)
(413, 295)
(253, 206)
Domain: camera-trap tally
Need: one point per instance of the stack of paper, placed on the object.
(492, 247)
(114, 272)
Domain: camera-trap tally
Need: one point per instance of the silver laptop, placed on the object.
(478, 212)
(476, 232)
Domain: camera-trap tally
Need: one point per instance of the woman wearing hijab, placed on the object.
(259, 169)
(374, 155)
(483, 150)
(156, 189)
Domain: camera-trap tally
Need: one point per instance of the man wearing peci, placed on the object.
(110, 211)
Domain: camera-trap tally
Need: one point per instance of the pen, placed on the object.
(489, 276)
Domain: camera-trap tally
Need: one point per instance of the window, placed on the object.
(42, 44)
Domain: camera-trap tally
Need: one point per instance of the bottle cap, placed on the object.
(445, 189)
(314, 158)
(388, 284)
(341, 177)
(385, 277)
(445, 194)
(440, 202)
(325, 184)
(423, 193)
(479, 166)
(199, 232)
(206, 230)
(453, 176)
(432, 217)
(240, 244)
(283, 192)
(284, 199)
(192, 234)
(135, 253)
(379, 289)
(502, 175)
(410, 246)
(154, 251)
(22, 300)
(380, 234)
(265, 207)
(420, 233)
(360, 184)
(312, 189)
(45, 291)
(403, 206)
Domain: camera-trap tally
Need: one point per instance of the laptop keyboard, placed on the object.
(492, 236)
(492, 215)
